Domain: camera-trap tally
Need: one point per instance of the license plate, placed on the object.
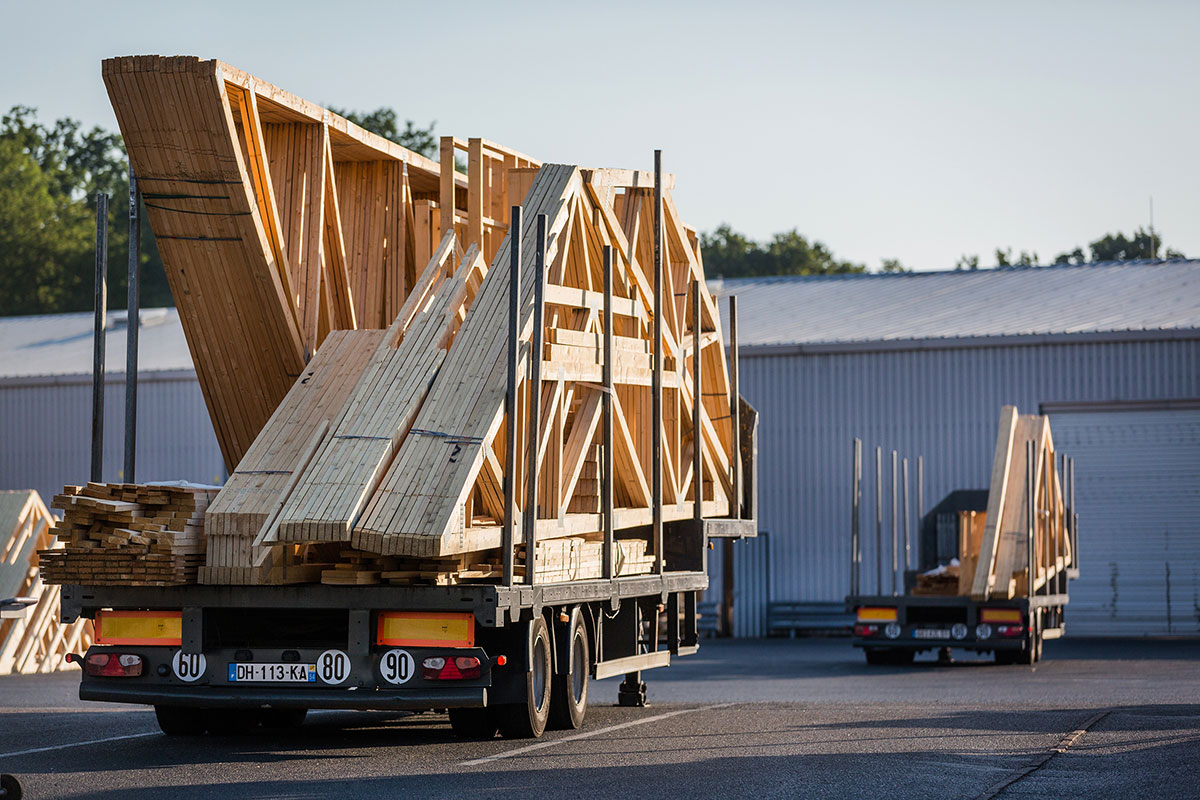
(931, 633)
(273, 673)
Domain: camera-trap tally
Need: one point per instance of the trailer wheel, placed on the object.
(569, 701)
(10, 787)
(180, 720)
(230, 721)
(283, 717)
(473, 723)
(877, 656)
(528, 720)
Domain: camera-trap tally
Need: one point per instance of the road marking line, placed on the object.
(32, 750)
(541, 745)
(1061, 747)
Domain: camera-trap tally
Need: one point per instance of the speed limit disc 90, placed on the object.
(397, 666)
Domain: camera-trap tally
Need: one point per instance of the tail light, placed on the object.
(866, 630)
(450, 669)
(113, 665)
(1010, 630)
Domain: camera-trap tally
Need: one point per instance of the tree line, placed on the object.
(50, 175)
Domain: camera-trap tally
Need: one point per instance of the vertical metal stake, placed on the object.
(855, 526)
(534, 426)
(907, 536)
(735, 420)
(1030, 517)
(98, 337)
(656, 421)
(697, 415)
(879, 520)
(510, 400)
(895, 527)
(606, 470)
(133, 305)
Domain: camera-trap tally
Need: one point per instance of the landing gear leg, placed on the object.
(633, 691)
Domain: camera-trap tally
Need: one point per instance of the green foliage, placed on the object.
(1109, 247)
(48, 180)
(967, 262)
(384, 122)
(729, 254)
(893, 265)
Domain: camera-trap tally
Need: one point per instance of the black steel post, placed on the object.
(510, 400)
(133, 305)
(736, 473)
(907, 534)
(697, 412)
(855, 521)
(878, 520)
(656, 421)
(534, 426)
(606, 470)
(1030, 520)
(98, 337)
(895, 526)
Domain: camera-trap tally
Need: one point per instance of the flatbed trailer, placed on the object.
(893, 629)
(515, 658)
(515, 649)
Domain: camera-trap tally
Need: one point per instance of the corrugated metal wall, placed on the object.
(46, 432)
(1137, 479)
(940, 404)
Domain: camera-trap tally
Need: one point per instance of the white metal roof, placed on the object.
(61, 344)
(1055, 301)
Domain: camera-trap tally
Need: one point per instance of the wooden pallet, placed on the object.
(38, 641)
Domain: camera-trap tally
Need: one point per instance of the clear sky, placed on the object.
(909, 130)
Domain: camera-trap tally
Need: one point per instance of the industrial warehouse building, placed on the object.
(919, 363)
(46, 403)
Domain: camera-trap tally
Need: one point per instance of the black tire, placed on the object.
(528, 720)
(11, 787)
(568, 704)
(473, 723)
(1007, 657)
(876, 656)
(180, 720)
(280, 718)
(231, 721)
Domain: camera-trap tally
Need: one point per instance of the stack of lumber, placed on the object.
(36, 641)
(298, 232)
(942, 580)
(576, 558)
(128, 534)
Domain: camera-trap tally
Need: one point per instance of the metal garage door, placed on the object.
(1137, 476)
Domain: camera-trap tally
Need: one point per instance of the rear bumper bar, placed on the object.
(222, 697)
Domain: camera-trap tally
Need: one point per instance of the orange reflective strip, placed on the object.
(163, 628)
(870, 614)
(1000, 615)
(425, 629)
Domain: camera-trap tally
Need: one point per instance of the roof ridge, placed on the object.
(1140, 262)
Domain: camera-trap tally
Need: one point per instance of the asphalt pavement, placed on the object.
(757, 718)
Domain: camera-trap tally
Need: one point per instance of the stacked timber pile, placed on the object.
(128, 534)
(1023, 535)
(358, 384)
(34, 640)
